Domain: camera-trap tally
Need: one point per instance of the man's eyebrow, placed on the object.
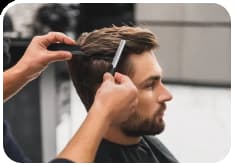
(152, 78)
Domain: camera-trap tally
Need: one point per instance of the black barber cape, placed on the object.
(148, 150)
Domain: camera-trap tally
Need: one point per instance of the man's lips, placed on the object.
(161, 110)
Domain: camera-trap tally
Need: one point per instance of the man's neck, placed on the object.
(115, 135)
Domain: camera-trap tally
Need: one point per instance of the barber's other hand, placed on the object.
(37, 57)
(116, 98)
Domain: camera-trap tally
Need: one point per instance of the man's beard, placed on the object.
(137, 126)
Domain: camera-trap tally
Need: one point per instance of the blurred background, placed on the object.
(195, 54)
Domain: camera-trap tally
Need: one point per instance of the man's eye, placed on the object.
(150, 86)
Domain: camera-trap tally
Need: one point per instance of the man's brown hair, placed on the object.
(99, 47)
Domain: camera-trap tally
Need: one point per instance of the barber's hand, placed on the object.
(116, 98)
(37, 57)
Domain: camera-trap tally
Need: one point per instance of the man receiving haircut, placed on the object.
(131, 140)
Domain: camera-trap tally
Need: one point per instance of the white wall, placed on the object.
(198, 123)
(195, 40)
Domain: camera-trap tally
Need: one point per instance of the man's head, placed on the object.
(137, 61)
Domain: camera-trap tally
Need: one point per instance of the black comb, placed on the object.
(74, 49)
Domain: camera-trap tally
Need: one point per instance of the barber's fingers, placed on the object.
(108, 76)
(59, 37)
(121, 78)
(53, 37)
(127, 82)
(53, 56)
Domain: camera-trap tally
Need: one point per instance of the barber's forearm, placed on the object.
(84, 144)
(14, 79)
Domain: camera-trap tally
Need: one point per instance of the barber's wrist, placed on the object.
(19, 72)
(25, 71)
(101, 112)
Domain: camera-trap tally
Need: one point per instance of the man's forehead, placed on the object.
(145, 65)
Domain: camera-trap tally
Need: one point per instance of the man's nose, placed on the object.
(165, 95)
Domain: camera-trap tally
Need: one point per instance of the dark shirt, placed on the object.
(148, 150)
(11, 147)
(14, 151)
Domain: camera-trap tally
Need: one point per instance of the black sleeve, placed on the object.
(11, 147)
(61, 160)
(13, 150)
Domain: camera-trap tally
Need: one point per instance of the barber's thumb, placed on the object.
(108, 76)
(59, 56)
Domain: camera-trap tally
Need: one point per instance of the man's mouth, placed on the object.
(161, 114)
(161, 110)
